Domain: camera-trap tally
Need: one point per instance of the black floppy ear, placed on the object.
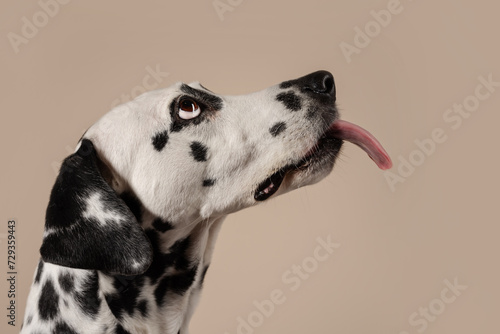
(88, 226)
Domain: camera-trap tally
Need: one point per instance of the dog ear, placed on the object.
(87, 226)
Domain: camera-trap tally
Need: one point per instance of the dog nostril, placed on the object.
(328, 85)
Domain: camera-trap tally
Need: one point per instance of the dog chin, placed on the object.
(316, 171)
(312, 168)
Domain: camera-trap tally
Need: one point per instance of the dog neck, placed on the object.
(170, 288)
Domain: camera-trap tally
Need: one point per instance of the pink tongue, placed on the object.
(359, 136)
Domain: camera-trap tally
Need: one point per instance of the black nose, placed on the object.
(320, 82)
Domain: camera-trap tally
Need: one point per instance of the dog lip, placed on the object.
(270, 186)
(317, 147)
(326, 148)
(328, 142)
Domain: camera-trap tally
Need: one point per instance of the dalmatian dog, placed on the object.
(134, 213)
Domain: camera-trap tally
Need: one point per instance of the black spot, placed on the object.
(125, 300)
(277, 128)
(208, 182)
(291, 100)
(176, 257)
(88, 298)
(160, 260)
(162, 225)
(178, 254)
(48, 304)
(160, 140)
(63, 328)
(120, 330)
(29, 319)
(113, 301)
(143, 307)
(39, 271)
(67, 282)
(199, 151)
(177, 283)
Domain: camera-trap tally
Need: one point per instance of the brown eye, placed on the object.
(188, 109)
(188, 105)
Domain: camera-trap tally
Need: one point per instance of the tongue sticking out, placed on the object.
(359, 136)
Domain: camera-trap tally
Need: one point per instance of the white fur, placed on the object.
(241, 154)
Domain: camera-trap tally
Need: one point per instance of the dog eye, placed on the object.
(188, 109)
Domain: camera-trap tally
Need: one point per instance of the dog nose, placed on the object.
(320, 83)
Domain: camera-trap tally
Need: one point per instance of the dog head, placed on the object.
(188, 154)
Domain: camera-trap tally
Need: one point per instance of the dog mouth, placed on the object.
(327, 148)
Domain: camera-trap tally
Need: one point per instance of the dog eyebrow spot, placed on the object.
(160, 140)
(213, 101)
(291, 100)
(277, 128)
(162, 225)
(208, 182)
(199, 151)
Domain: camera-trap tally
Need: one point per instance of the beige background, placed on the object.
(397, 248)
